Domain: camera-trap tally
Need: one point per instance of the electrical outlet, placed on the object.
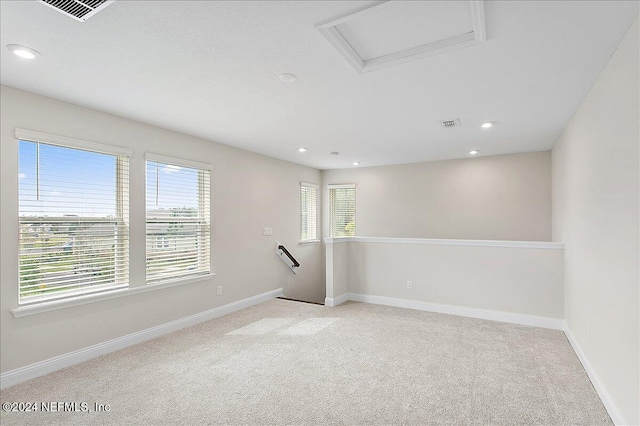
(267, 231)
(219, 290)
(410, 285)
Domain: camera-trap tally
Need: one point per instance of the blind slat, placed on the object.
(177, 212)
(308, 212)
(73, 213)
(343, 212)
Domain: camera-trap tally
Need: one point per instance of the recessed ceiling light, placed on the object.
(356, 163)
(487, 124)
(23, 51)
(474, 152)
(288, 77)
(302, 149)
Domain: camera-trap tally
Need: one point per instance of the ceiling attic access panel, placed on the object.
(388, 33)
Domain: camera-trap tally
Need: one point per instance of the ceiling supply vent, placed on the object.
(450, 123)
(80, 10)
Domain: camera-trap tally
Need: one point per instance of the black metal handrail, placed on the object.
(291, 258)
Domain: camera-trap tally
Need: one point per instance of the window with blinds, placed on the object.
(308, 212)
(73, 218)
(342, 199)
(178, 216)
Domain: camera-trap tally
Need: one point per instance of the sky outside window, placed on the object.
(71, 182)
(171, 187)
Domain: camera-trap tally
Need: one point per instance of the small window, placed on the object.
(73, 218)
(308, 212)
(178, 220)
(343, 210)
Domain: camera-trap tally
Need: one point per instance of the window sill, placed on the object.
(55, 305)
(305, 242)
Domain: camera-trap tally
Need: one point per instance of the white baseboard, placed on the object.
(50, 365)
(513, 318)
(335, 301)
(609, 405)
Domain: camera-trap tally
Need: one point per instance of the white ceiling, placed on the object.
(210, 69)
(399, 25)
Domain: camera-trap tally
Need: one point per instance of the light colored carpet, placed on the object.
(286, 362)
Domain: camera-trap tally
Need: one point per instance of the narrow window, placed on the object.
(178, 221)
(343, 210)
(308, 212)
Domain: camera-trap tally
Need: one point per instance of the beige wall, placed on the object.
(506, 197)
(337, 271)
(249, 192)
(520, 280)
(595, 213)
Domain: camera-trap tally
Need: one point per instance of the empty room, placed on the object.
(319, 212)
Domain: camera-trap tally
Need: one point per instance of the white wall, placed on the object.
(505, 197)
(337, 271)
(595, 213)
(518, 279)
(249, 192)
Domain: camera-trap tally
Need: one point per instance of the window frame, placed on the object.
(121, 208)
(332, 212)
(315, 239)
(200, 166)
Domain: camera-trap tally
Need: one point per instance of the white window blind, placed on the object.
(342, 199)
(178, 221)
(308, 211)
(73, 218)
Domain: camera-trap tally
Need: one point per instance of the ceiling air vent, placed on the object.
(80, 10)
(450, 123)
